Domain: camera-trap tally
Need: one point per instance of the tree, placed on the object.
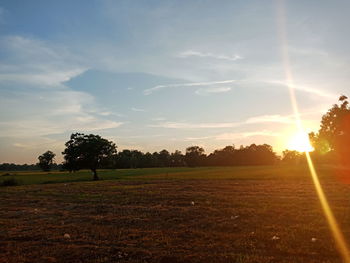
(223, 157)
(334, 134)
(177, 159)
(292, 157)
(46, 160)
(194, 156)
(88, 151)
(164, 158)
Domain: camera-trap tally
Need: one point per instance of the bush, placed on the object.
(10, 182)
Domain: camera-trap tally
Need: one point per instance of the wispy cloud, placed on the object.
(159, 119)
(234, 136)
(138, 109)
(191, 84)
(287, 119)
(270, 118)
(193, 53)
(304, 88)
(44, 105)
(42, 79)
(186, 125)
(208, 91)
(31, 61)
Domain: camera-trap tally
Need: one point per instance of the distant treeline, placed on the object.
(26, 167)
(194, 156)
(331, 145)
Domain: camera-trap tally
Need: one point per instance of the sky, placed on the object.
(153, 75)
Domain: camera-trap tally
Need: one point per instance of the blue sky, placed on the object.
(151, 75)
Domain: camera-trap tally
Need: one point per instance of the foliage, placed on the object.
(88, 151)
(334, 133)
(292, 157)
(10, 182)
(194, 156)
(249, 155)
(46, 160)
(25, 167)
(191, 173)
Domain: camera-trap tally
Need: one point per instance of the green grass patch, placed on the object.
(241, 172)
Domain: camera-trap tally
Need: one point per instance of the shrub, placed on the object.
(10, 182)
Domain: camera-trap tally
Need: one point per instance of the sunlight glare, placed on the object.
(300, 142)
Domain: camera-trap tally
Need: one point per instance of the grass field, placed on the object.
(238, 214)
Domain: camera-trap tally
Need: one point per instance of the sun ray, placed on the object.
(300, 142)
(332, 222)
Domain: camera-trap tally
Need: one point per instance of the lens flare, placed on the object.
(332, 222)
(300, 142)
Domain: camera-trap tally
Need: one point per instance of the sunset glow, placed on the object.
(300, 142)
(174, 131)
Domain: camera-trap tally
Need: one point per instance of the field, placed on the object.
(233, 214)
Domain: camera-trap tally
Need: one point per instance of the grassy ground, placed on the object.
(240, 214)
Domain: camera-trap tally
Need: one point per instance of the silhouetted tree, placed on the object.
(46, 160)
(147, 160)
(164, 158)
(136, 159)
(292, 157)
(334, 134)
(222, 157)
(194, 156)
(177, 159)
(88, 151)
(21, 167)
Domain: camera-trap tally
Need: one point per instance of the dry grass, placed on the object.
(171, 219)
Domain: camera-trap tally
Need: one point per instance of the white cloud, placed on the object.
(138, 109)
(42, 79)
(200, 138)
(288, 119)
(21, 145)
(159, 119)
(186, 125)
(191, 84)
(236, 136)
(270, 118)
(208, 91)
(53, 108)
(42, 126)
(193, 53)
(38, 63)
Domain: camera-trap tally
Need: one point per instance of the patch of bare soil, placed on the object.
(169, 221)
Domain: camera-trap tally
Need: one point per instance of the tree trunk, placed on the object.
(95, 174)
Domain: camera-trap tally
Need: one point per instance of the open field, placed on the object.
(239, 214)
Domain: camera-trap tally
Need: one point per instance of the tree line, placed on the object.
(331, 144)
(27, 167)
(92, 152)
(195, 156)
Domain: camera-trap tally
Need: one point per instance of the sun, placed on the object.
(300, 142)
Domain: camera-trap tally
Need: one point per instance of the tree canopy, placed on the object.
(46, 160)
(194, 156)
(88, 151)
(334, 133)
